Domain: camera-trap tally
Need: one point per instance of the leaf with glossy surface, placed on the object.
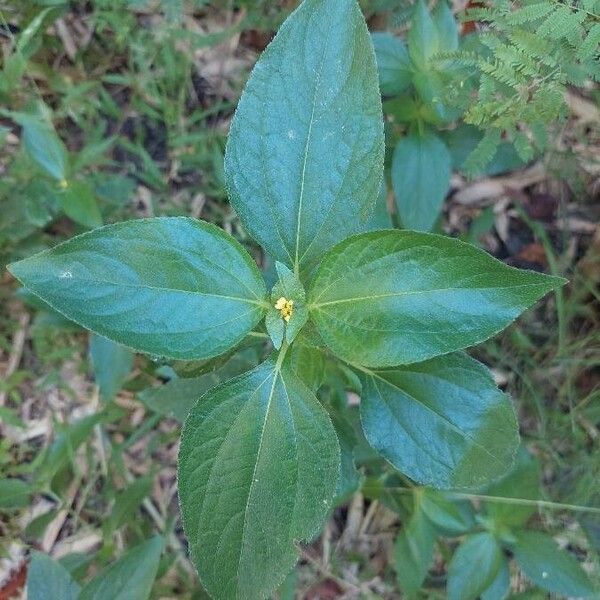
(442, 422)
(474, 566)
(305, 151)
(393, 63)
(173, 287)
(394, 297)
(421, 178)
(549, 567)
(47, 579)
(129, 578)
(258, 468)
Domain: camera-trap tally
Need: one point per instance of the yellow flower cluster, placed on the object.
(285, 307)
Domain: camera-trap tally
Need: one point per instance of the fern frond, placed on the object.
(483, 153)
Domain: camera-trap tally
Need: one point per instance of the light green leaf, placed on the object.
(423, 40)
(49, 580)
(393, 63)
(174, 287)
(421, 178)
(445, 24)
(305, 151)
(43, 145)
(549, 567)
(474, 566)
(500, 587)
(129, 578)
(413, 552)
(394, 297)
(442, 422)
(258, 467)
(79, 204)
(112, 364)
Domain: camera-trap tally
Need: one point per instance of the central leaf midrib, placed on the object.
(318, 75)
(419, 292)
(166, 289)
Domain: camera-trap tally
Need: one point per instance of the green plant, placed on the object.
(390, 311)
(489, 536)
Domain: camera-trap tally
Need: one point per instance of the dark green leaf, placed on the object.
(173, 287)
(442, 422)
(500, 587)
(305, 152)
(474, 567)
(393, 63)
(549, 567)
(393, 297)
(112, 364)
(129, 578)
(258, 468)
(421, 179)
(79, 204)
(49, 580)
(423, 40)
(309, 364)
(413, 552)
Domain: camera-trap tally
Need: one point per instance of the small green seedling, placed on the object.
(260, 459)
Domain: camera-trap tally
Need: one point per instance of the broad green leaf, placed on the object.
(413, 552)
(393, 297)
(421, 178)
(474, 567)
(500, 587)
(43, 145)
(131, 577)
(442, 422)
(305, 153)
(14, 493)
(445, 24)
(49, 580)
(172, 287)
(549, 567)
(112, 364)
(349, 479)
(522, 482)
(79, 204)
(393, 63)
(178, 396)
(258, 468)
(423, 40)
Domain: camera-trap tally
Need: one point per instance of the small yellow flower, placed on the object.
(63, 184)
(285, 307)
